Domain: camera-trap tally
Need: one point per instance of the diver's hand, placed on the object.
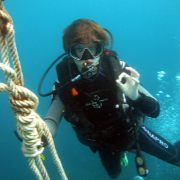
(32, 153)
(130, 87)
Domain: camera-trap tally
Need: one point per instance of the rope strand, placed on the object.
(24, 103)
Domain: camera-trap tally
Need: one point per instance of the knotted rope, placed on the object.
(24, 102)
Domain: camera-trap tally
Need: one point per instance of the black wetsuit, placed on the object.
(115, 136)
(151, 143)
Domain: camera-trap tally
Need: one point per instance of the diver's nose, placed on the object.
(86, 55)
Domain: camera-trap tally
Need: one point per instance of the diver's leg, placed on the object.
(111, 162)
(152, 143)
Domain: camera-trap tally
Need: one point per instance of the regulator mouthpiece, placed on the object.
(88, 71)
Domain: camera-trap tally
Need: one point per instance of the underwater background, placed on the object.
(146, 36)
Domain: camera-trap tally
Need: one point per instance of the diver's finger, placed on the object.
(135, 80)
(122, 75)
(134, 73)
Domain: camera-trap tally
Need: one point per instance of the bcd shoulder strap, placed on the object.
(111, 64)
(113, 68)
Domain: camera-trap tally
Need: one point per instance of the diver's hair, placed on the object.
(84, 31)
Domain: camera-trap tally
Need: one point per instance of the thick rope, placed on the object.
(24, 103)
(34, 169)
(42, 168)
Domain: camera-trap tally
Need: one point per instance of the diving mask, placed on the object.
(84, 52)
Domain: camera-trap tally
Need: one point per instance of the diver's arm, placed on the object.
(144, 91)
(54, 115)
(147, 103)
(136, 94)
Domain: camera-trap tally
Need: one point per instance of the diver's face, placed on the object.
(80, 49)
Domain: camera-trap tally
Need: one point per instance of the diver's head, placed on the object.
(84, 31)
(84, 40)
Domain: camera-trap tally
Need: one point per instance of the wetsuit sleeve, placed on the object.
(147, 103)
(54, 115)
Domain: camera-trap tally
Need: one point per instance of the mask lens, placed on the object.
(77, 51)
(99, 49)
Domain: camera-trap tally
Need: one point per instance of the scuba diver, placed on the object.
(102, 98)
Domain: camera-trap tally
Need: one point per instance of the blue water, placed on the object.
(146, 36)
